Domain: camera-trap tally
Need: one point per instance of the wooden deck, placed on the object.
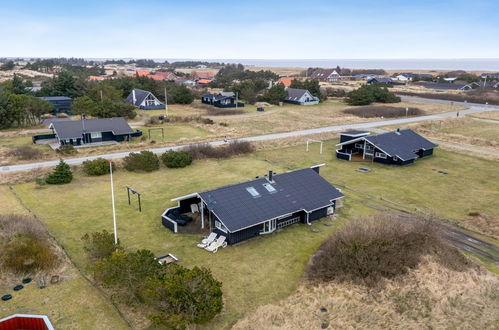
(358, 158)
(194, 227)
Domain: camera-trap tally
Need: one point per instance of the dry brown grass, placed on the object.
(482, 223)
(383, 111)
(427, 297)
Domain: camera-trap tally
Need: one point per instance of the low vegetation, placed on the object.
(66, 149)
(175, 296)
(383, 111)
(473, 96)
(224, 112)
(367, 94)
(99, 166)
(25, 153)
(368, 250)
(204, 150)
(176, 159)
(100, 245)
(61, 175)
(144, 161)
(25, 246)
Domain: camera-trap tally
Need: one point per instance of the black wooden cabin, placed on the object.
(261, 206)
(399, 147)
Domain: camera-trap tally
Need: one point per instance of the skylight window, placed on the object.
(269, 188)
(253, 192)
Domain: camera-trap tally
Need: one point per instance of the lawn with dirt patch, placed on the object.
(265, 269)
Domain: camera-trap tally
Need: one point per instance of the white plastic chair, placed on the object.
(220, 242)
(194, 208)
(207, 240)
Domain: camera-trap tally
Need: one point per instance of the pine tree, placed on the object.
(62, 174)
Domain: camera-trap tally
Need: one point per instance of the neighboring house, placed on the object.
(144, 100)
(364, 76)
(286, 81)
(470, 86)
(384, 81)
(443, 86)
(186, 82)
(142, 73)
(203, 81)
(490, 75)
(97, 78)
(203, 75)
(26, 322)
(400, 147)
(260, 206)
(84, 131)
(325, 75)
(300, 96)
(221, 100)
(160, 76)
(61, 103)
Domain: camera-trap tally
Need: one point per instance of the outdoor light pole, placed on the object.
(112, 198)
(166, 104)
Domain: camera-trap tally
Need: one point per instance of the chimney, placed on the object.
(134, 99)
(270, 177)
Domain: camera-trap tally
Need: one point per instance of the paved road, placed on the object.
(473, 108)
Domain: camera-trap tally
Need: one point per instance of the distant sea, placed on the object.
(472, 64)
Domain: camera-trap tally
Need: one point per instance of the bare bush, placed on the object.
(369, 249)
(223, 112)
(188, 119)
(474, 96)
(204, 150)
(383, 111)
(13, 224)
(24, 153)
(25, 245)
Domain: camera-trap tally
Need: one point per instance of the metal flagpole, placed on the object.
(112, 198)
(166, 104)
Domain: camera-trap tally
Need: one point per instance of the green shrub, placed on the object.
(176, 159)
(234, 148)
(25, 254)
(143, 161)
(174, 295)
(62, 174)
(99, 166)
(66, 149)
(182, 296)
(99, 245)
(368, 94)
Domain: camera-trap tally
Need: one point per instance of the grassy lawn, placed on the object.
(494, 115)
(174, 133)
(66, 303)
(475, 128)
(19, 141)
(264, 269)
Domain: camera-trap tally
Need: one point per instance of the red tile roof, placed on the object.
(286, 81)
(142, 73)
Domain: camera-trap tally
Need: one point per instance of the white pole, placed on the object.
(321, 147)
(166, 104)
(307, 146)
(112, 198)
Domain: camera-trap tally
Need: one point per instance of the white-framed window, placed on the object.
(253, 192)
(381, 155)
(269, 188)
(220, 226)
(288, 222)
(96, 135)
(369, 147)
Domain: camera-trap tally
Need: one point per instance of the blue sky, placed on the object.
(313, 29)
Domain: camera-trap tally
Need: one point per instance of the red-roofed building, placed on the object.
(142, 73)
(25, 321)
(204, 81)
(286, 81)
(97, 78)
(203, 75)
(163, 76)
